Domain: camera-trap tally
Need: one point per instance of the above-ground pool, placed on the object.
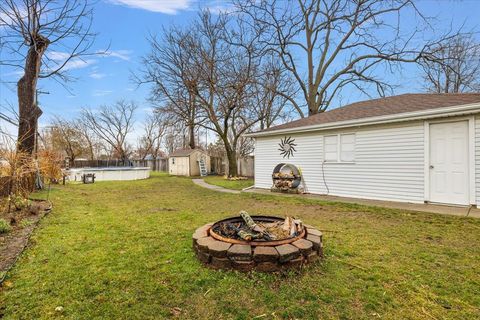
(110, 173)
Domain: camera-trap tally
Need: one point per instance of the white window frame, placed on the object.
(325, 149)
(339, 147)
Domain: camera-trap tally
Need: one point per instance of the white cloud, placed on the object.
(101, 93)
(78, 64)
(7, 15)
(97, 75)
(162, 6)
(57, 55)
(220, 8)
(59, 58)
(120, 54)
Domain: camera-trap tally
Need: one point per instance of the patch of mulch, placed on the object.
(13, 242)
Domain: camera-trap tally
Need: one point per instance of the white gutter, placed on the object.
(398, 117)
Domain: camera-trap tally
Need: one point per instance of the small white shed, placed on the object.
(186, 162)
(412, 148)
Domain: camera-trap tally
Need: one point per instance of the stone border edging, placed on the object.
(223, 255)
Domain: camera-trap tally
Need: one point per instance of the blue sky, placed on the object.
(124, 24)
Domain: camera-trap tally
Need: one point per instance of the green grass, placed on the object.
(122, 250)
(228, 184)
(4, 226)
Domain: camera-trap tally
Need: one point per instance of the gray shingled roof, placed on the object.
(184, 152)
(384, 106)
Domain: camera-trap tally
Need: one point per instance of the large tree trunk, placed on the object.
(191, 119)
(28, 110)
(90, 150)
(191, 133)
(123, 157)
(232, 160)
(71, 160)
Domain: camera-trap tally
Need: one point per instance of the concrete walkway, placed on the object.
(202, 183)
(432, 208)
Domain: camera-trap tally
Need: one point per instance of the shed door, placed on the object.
(449, 181)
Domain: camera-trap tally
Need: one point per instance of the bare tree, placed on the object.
(454, 66)
(31, 27)
(174, 137)
(169, 67)
(273, 85)
(64, 135)
(93, 145)
(228, 63)
(330, 45)
(151, 141)
(112, 124)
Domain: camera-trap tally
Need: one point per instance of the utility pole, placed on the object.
(37, 92)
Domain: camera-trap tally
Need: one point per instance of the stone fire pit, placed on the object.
(219, 252)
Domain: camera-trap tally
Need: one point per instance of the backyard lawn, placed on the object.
(122, 250)
(228, 184)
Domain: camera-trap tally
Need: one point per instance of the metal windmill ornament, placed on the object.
(287, 147)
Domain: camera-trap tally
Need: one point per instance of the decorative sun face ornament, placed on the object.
(287, 147)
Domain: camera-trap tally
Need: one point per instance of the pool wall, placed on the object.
(110, 174)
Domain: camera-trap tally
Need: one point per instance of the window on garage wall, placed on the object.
(339, 147)
(331, 148)
(347, 147)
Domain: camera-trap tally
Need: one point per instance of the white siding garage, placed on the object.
(383, 159)
(388, 164)
(477, 159)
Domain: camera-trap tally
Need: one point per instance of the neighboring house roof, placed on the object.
(383, 108)
(184, 152)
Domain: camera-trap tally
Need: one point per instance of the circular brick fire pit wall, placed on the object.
(252, 256)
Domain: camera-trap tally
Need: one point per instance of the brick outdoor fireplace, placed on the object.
(220, 245)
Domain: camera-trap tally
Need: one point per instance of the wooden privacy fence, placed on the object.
(245, 166)
(26, 183)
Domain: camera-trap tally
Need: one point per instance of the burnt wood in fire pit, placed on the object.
(220, 252)
(220, 231)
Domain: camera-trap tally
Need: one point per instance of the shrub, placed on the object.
(19, 202)
(49, 163)
(25, 223)
(4, 226)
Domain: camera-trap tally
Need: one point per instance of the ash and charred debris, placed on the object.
(248, 229)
